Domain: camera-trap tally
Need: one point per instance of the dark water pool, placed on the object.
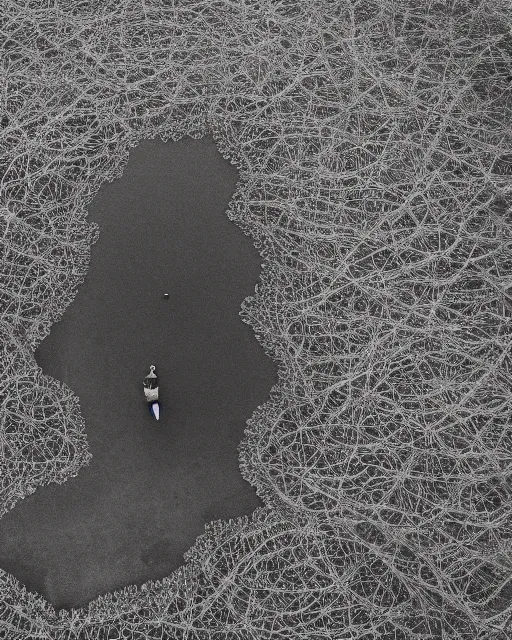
(151, 486)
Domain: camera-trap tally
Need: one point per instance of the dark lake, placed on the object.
(151, 486)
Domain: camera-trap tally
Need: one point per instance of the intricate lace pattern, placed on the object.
(374, 146)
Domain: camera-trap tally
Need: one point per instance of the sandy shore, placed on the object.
(150, 488)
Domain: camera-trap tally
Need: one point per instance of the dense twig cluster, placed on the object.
(373, 142)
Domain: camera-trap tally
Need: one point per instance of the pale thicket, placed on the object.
(373, 141)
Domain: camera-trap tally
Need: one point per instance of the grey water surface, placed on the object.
(151, 486)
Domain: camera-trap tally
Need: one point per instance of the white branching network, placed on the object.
(373, 140)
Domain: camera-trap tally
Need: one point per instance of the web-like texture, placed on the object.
(373, 140)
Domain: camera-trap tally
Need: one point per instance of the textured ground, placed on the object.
(374, 147)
